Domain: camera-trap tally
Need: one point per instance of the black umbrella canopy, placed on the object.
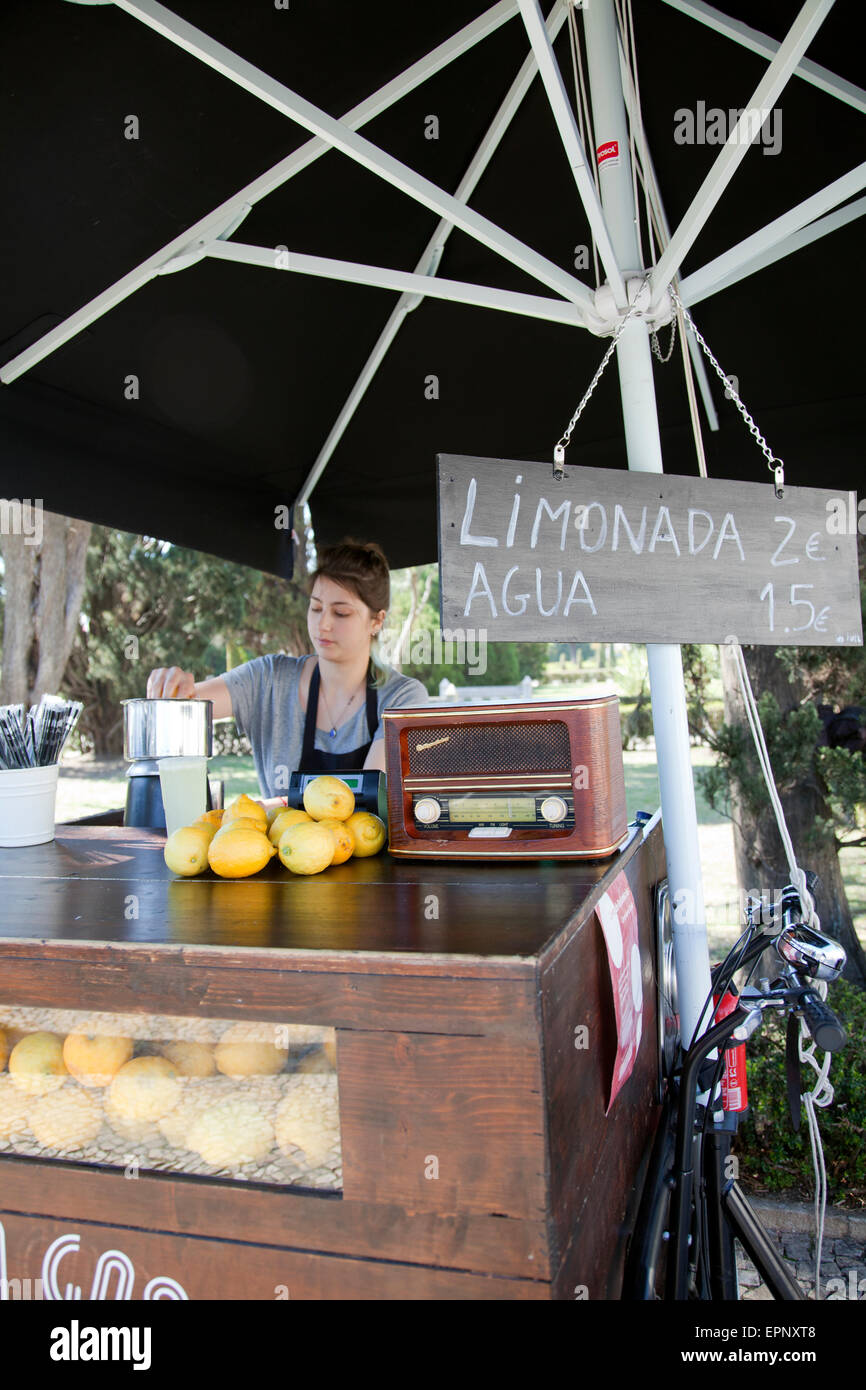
(198, 404)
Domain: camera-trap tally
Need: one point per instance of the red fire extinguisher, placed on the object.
(735, 1092)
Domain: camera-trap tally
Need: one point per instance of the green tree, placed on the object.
(822, 788)
(148, 603)
(506, 662)
(43, 586)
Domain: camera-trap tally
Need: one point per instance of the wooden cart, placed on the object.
(476, 1040)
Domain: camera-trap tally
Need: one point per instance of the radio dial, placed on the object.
(427, 811)
(553, 808)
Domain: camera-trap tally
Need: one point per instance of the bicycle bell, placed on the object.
(811, 952)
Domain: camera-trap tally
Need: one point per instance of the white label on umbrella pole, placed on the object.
(608, 154)
(612, 555)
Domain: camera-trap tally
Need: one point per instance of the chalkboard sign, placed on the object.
(612, 555)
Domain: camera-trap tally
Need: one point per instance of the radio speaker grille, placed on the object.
(484, 749)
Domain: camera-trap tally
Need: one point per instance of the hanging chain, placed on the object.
(565, 438)
(656, 345)
(774, 464)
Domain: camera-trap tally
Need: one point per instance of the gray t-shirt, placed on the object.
(266, 708)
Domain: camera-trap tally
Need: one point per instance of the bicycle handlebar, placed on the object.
(805, 955)
(826, 1028)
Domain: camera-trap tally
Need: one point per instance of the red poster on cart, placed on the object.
(617, 914)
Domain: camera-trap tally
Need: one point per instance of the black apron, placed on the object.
(312, 758)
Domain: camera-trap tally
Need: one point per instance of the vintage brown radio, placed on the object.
(523, 781)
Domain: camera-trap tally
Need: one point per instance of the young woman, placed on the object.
(320, 712)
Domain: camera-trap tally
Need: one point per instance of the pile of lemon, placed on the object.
(243, 838)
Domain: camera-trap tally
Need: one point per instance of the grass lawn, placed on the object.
(88, 785)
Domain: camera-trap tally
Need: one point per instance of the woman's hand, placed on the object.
(170, 683)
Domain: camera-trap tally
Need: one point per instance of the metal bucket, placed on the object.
(167, 729)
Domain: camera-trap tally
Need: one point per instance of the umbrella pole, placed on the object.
(643, 445)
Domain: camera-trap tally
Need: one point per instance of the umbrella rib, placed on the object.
(428, 262)
(733, 264)
(570, 136)
(753, 39)
(795, 242)
(218, 219)
(289, 103)
(748, 126)
(406, 282)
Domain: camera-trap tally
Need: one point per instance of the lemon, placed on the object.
(189, 1058)
(241, 823)
(235, 1056)
(213, 818)
(209, 828)
(246, 806)
(368, 832)
(145, 1088)
(328, 797)
(94, 1059)
(344, 845)
(185, 850)
(284, 820)
(66, 1121)
(36, 1064)
(306, 848)
(239, 852)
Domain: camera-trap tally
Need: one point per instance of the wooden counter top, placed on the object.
(109, 885)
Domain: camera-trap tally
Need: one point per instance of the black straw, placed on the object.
(36, 738)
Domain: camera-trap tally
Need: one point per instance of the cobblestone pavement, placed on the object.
(843, 1253)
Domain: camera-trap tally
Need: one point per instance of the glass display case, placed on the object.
(248, 1102)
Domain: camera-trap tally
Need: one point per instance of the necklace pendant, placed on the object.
(333, 733)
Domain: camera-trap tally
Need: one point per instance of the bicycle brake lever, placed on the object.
(750, 1024)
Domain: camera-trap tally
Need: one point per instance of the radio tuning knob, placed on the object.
(427, 811)
(553, 808)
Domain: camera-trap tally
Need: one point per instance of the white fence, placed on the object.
(450, 694)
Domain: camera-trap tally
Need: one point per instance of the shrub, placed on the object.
(773, 1158)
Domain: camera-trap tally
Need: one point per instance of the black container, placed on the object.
(144, 807)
